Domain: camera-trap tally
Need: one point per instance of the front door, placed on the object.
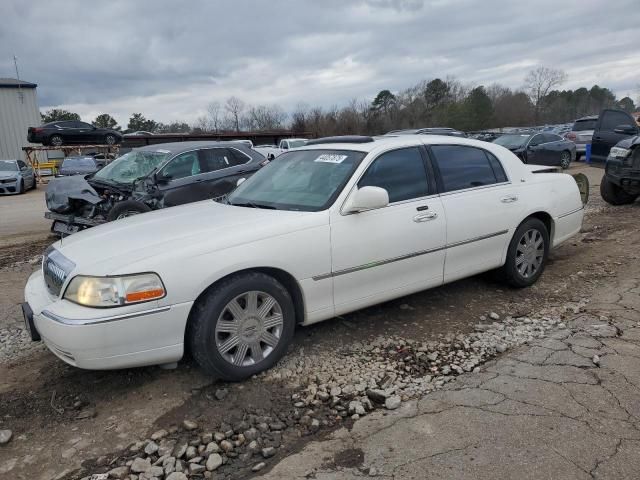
(392, 251)
(604, 136)
(481, 206)
(181, 180)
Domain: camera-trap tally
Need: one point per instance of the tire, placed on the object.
(211, 320)
(530, 231)
(35, 183)
(126, 208)
(565, 159)
(20, 187)
(56, 140)
(613, 194)
(110, 139)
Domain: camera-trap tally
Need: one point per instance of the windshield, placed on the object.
(78, 163)
(131, 166)
(307, 180)
(297, 143)
(8, 166)
(512, 141)
(582, 125)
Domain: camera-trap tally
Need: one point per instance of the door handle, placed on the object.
(509, 199)
(425, 217)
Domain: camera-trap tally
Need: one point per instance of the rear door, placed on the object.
(222, 168)
(482, 207)
(604, 136)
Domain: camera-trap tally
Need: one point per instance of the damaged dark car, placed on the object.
(149, 178)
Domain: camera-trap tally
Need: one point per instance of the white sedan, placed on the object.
(329, 228)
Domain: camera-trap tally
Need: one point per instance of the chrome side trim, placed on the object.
(96, 321)
(571, 212)
(379, 263)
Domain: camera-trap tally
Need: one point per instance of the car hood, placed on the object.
(629, 142)
(126, 245)
(8, 175)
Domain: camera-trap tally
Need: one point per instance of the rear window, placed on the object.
(79, 163)
(581, 125)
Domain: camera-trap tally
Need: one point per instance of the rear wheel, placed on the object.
(565, 159)
(527, 254)
(56, 140)
(241, 326)
(613, 194)
(126, 208)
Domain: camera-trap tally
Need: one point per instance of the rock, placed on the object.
(195, 468)
(494, 316)
(226, 445)
(180, 450)
(257, 467)
(151, 448)
(140, 465)
(501, 347)
(212, 447)
(87, 413)
(277, 426)
(392, 402)
(595, 360)
(5, 436)
(189, 425)
(377, 395)
(315, 425)
(155, 472)
(219, 436)
(253, 447)
(206, 438)
(356, 407)
(268, 452)
(190, 453)
(251, 434)
(119, 472)
(159, 435)
(177, 476)
(221, 393)
(213, 462)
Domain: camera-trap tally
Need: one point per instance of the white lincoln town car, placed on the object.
(326, 229)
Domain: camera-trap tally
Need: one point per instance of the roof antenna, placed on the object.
(20, 94)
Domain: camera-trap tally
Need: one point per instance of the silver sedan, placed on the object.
(16, 177)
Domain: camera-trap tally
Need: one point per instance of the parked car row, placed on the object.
(540, 148)
(325, 229)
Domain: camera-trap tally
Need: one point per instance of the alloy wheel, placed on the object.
(529, 253)
(249, 328)
(128, 213)
(565, 159)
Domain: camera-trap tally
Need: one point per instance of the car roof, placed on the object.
(588, 117)
(179, 147)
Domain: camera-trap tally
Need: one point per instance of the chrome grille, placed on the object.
(55, 268)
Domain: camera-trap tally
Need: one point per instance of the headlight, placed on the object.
(619, 152)
(114, 291)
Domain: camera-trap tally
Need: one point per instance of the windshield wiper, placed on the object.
(252, 205)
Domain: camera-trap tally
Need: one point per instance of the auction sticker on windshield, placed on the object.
(329, 158)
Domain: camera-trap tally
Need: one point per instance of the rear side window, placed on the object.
(238, 158)
(467, 167)
(611, 119)
(582, 125)
(400, 172)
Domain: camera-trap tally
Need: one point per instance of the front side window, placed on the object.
(464, 167)
(611, 120)
(21, 164)
(400, 172)
(184, 165)
(305, 180)
(536, 140)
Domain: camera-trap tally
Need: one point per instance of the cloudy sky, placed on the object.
(169, 59)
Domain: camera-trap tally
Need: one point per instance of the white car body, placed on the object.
(285, 145)
(339, 262)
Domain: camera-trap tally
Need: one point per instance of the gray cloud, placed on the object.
(169, 59)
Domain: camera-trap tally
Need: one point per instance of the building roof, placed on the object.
(15, 83)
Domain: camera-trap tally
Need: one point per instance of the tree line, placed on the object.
(431, 103)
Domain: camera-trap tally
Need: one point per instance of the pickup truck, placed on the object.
(616, 140)
(272, 151)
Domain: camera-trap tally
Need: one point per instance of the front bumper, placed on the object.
(102, 339)
(9, 186)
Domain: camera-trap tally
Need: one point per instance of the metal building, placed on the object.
(18, 111)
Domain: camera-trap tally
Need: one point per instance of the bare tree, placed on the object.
(539, 82)
(213, 116)
(265, 117)
(234, 107)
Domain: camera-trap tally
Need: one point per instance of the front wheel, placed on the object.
(20, 187)
(56, 140)
(527, 254)
(613, 194)
(241, 326)
(110, 139)
(565, 160)
(127, 208)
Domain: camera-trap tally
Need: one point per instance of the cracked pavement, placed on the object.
(566, 406)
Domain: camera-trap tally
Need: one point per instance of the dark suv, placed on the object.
(66, 132)
(616, 140)
(149, 178)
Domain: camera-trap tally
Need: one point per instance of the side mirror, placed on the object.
(626, 129)
(160, 179)
(23, 169)
(240, 181)
(367, 198)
